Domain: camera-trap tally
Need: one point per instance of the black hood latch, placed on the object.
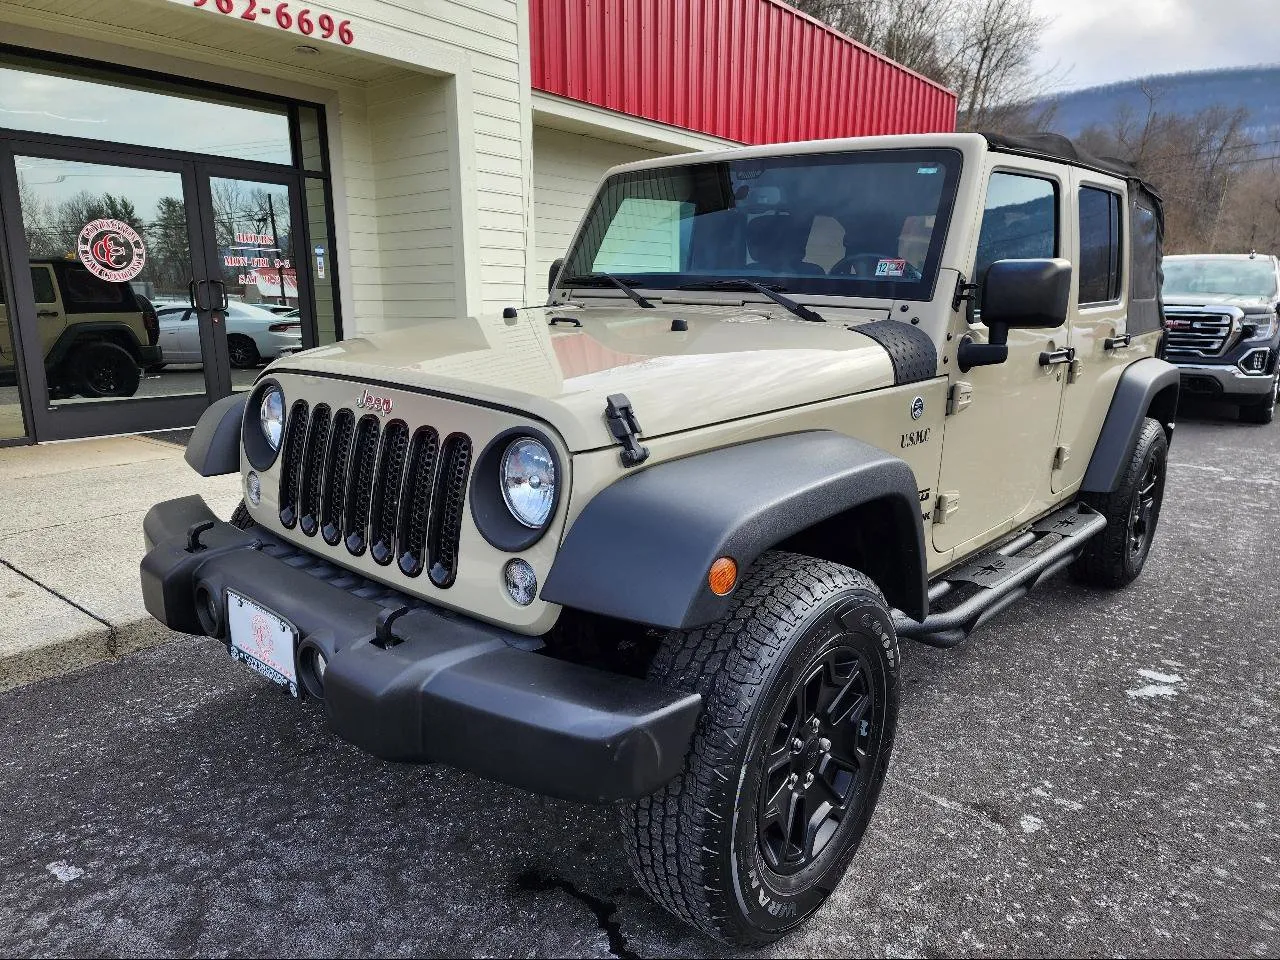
(625, 429)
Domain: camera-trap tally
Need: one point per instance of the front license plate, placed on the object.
(262, 641)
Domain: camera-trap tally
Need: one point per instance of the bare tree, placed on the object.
(982, 49)
(1196, 161)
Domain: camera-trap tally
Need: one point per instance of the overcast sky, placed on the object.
(1100, 41)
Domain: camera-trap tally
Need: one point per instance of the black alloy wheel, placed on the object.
(104, 369)
(1146, 503)
(817, 761)
(242, 352)
(1115, 557)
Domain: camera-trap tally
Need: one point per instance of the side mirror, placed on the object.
(556, 266)
(1017, 294)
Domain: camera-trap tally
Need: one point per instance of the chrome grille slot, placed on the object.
(1194, 335)
(448, 501)
(415, 507)
(337, 466)
(385, 509)
(313, 470)
(364, 454)
(291, 463)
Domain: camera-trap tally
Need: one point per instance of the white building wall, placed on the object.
(574, 145)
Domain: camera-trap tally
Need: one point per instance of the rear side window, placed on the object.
(42, 284)
(1100, 246)
(1019, 222)
(82, 292)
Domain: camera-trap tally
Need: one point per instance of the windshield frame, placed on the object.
(950, 159)
(1265, 265)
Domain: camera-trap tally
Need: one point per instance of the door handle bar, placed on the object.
(1111, 343)
(1050, 357)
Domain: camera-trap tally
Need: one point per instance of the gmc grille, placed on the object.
(397, 492)
(1193, 336)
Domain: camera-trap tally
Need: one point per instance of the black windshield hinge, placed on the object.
(964, 291)
(625, 429)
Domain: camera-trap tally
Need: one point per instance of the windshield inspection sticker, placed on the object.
(926, 170)
(891, 268)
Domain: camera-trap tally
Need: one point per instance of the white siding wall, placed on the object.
(567, 168)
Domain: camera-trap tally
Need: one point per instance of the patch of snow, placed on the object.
(1160, 677)
(65, 871)
(1030, 824)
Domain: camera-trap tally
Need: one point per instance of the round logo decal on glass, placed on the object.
(111, 250)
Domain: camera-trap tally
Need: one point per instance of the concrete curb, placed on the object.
(67, 655)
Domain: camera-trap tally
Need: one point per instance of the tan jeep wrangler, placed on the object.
(655, 542)
(95, 334)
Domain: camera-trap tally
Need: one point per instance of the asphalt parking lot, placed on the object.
(1090, 774)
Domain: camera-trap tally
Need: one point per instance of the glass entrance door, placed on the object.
(153, 286)
(255, 238)
(110, 242)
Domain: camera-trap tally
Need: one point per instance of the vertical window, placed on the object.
(1100, 246)
(1019, 222)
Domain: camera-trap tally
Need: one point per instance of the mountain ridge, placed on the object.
(1253, 88)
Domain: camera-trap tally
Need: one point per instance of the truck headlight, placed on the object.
(529, 482)
(271, 416)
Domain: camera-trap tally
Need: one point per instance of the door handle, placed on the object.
(1050, 357)
(192, 288)
(222, 302)
(48, 313)
(1112, 343)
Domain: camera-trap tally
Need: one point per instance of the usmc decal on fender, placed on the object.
(915, 438)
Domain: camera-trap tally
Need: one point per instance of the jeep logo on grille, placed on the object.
(367, 401)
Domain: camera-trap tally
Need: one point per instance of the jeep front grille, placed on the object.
(1194, 336)
(396, 492)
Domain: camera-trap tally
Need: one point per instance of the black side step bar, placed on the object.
(975, 592)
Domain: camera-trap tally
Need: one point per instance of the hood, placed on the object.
(730, 363)
(1247, 304)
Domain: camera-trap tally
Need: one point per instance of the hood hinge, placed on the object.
(948, 502)
(625, 429)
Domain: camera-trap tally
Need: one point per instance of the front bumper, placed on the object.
(1222, 379)
(447, 689)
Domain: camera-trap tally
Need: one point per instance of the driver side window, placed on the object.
(1019, 222)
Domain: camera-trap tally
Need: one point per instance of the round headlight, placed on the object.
(529, 482)
(271, 416)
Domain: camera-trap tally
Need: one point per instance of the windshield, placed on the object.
(1229, 278)
(864, 223)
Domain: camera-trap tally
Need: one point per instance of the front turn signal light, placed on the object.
(723, 576)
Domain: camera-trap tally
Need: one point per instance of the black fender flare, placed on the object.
(77, 333)
(214, 447)
(641, 549)
(1147, 388)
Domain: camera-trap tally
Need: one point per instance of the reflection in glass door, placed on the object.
(110, 259)
(12, 424)
(257, 263)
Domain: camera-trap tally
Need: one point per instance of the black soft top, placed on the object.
(1054, 146)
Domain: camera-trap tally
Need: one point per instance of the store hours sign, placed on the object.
(287, 15)
(257, 258)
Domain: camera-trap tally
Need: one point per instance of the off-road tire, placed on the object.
(100, 368)
(240, 517)
(697, 846)
(1113, 558)
(243, 352)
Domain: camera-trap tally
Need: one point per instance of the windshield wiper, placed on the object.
(586, 280)
(799, 309)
